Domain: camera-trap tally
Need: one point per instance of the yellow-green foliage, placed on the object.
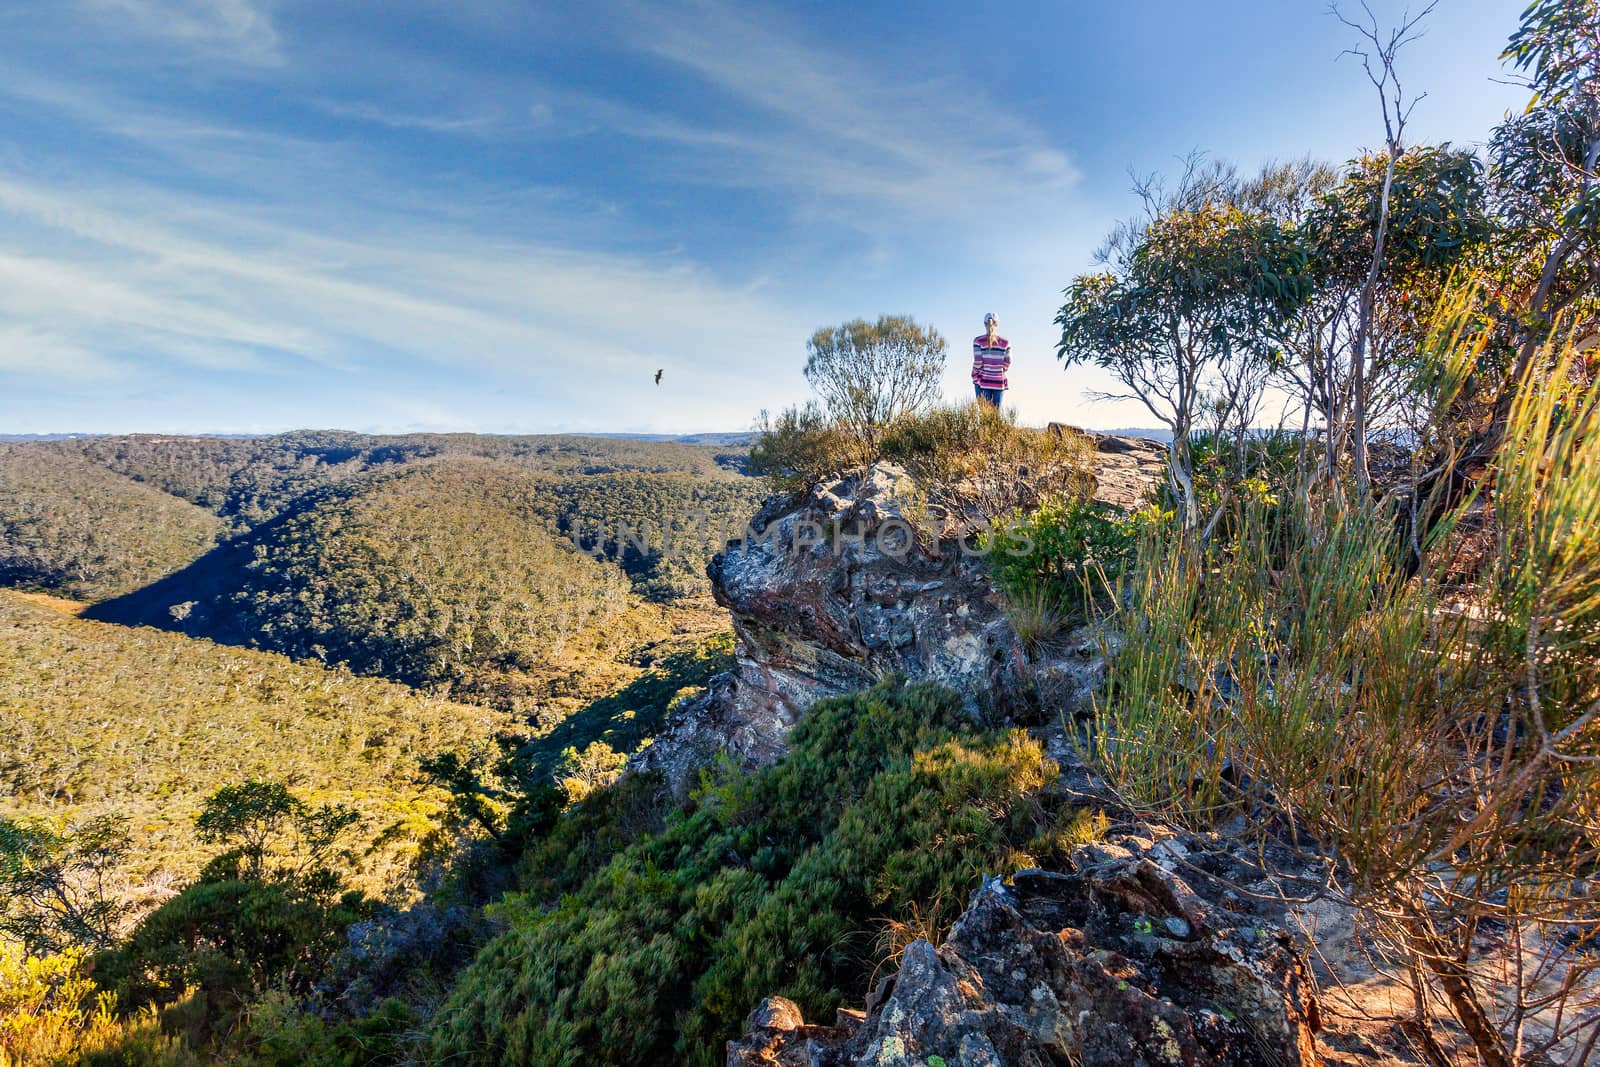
(51, 1013)
(948, 445)
(773, 883)
(105, 719)
(73, 527)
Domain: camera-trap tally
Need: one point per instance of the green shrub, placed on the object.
(572, 848)
(1434, 744)
(233, 938)
(800, 448)
(56, 882)
(283, 1033)
(266, 914)
(769, 883)
(1065, 556)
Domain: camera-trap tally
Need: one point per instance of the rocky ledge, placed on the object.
(860, 578)
(1115, 962)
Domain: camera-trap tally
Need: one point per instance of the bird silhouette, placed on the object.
(658, 376)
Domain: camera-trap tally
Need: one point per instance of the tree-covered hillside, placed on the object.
(251, 479)
(74, 527)
(441, 572)
(98, 517)
(141, 724)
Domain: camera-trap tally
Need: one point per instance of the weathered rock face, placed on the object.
(852, 583)
(1116, 963)
(830, 593)
(862, 578)
(1127, 468)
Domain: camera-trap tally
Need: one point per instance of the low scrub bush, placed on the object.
(801, 447)
(772, 883)
(1064, 558)
(51, 1012)
(970, 457)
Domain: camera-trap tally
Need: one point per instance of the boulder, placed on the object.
(776, 1036)
(1116, 962)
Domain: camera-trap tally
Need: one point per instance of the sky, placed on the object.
(248, 216)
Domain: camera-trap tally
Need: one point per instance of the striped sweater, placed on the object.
(990, 362)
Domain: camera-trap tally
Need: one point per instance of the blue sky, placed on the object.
(251, 215)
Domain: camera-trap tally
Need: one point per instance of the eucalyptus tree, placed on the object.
(1378, 51)
(1192, 297)
(1353, 357)
(1544, 204)
(1546, 173)
(868, 374)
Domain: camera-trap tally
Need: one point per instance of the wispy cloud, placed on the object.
(834, 126)
(469, 231)
(27, 350)
(179, 279)
(366, 111)
(236, 30)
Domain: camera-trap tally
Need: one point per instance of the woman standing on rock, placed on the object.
(991, 358)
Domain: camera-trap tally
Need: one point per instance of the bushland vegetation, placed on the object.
(71, 527)
(1385, 678)
(436, 573)
(974, 462)
(210, 970)
(272, 919)
(1322, 281)
(796, 880)
(101, 517)
(249, 480)
(137, 725)
(1426, 718)
(1383, 674)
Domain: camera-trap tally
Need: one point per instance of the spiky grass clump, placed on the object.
(1439, 749)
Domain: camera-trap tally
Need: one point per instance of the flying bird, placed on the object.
(658, 376)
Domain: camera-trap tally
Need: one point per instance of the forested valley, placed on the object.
(337, 624)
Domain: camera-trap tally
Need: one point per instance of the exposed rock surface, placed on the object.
(1127, 468)
(830, 593)
(1114, 963)
(858, 579)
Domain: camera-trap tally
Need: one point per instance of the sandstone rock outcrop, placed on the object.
(1127, 469)
(861, 578)
(828, 594)
(1114, 963)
